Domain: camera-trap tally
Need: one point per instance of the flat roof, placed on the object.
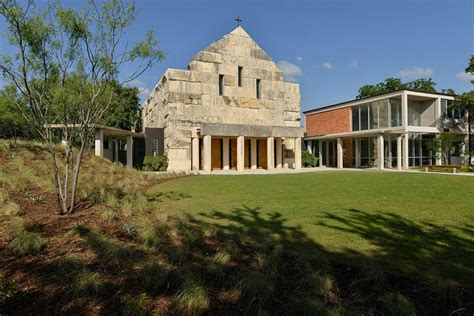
(372, 97)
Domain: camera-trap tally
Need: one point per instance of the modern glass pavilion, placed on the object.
(387, 131)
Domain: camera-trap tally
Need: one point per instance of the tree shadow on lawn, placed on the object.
(245, 261)
(436, 252)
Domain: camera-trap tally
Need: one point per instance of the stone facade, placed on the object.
(328, 122)
(189, 104)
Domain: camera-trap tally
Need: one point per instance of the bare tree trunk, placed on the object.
(75, 176)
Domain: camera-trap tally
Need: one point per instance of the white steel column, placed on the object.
(240, 153)
(278, 150)
(340, 153)
(357, 152)
(380, 152)
(129, 152)
(195, 153)
(309, 146)
(297, 153)
(207, 153)
(99, 143)
(320, 142)
(405, 151)
(399, 152)
(253, 153)
(389, 154)
(225, 153)
(405, 109)
(270, 153)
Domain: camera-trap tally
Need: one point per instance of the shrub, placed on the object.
(193, 296)
(159, 163)
(129, 229)
(466, 169)
(28, 243)
(87, 283)
(308, 160)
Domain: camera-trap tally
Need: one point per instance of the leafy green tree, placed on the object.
(124, 111)
(444, 144)
(422, 84)
(63, 63)
(389, 85)
(470, 68)
(393, 84)
(12, 123)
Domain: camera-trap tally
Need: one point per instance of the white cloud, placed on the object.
(291, 71)
(299, 58)
(465, 76)
(328, 66)
(142, 88)
(354, 64)
(416, 73)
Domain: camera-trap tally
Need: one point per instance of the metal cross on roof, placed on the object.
(238, 20)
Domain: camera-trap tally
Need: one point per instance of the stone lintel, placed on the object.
(234, 130)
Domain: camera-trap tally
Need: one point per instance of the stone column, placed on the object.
(129, 152)
(225, 154)
(270, 153)
(405, 151)
(380, 152)
(404, 109)
(99, 143)
(399, 152)
(357, 152)
(207, 153)
(253, 153)
(340, 153)
(278, 158)
(240, 153)
(195, 153)
(117, 143)
(320, 142)
(309, 146)
(297, 153)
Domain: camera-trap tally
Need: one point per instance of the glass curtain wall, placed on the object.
(418, 152)
(384, 113)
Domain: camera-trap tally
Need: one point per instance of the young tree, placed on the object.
(465, 102)
(63, 62)
(444, 144)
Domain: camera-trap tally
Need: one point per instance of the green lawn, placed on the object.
(420, 224)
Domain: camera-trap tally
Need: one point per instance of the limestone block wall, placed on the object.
(183, 99)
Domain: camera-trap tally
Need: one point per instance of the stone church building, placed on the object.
(229, 110)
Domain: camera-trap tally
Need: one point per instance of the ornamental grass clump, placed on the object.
(193, 297)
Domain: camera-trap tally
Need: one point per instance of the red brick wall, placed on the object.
(328, 122)
(347, 147)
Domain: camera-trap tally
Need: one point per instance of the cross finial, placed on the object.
(238, 20)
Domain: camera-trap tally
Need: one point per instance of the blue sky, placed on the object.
(330, 47)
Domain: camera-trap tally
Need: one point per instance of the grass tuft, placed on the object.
(152, 277)
(108, 215)
(88, 283)
(110, 253)
(28, 243)
(193, 297)
(397, 305)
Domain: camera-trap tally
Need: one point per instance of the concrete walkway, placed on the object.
(322, 169)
